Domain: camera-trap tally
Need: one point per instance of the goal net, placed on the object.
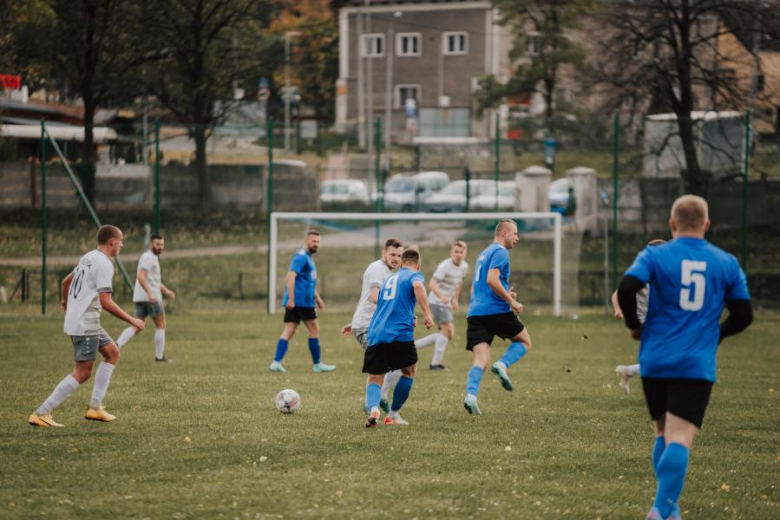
(541, 262)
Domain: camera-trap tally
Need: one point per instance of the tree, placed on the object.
(666, 53)
(204, 48)
(541, 48)
(316, 57)
(92, 45)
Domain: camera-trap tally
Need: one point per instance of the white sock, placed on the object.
(63, 390)
(126, 336)
(438, 352)
(159, 343)
(427, 341)
(391, 378)
(633, 370)
(102, 379)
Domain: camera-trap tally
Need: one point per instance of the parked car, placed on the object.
(344, 191)
(486, 199)
(481, 196)
(404, 192)
(558, 194)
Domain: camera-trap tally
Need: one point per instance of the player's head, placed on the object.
(156, 244)
(110, 240)
(506, 233)
(690, 217)
(391, 254)
(312, 241)
(656, 242)
(458, 252)
(411, 259)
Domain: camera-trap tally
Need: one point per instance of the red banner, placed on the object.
(10, 81)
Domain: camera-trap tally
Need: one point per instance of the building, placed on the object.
(416, 64)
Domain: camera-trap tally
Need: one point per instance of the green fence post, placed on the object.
(615, 172)
(745, 175)
(157, 176)
(497, 157)
(269, 191)
(378, 175)
(44, 234)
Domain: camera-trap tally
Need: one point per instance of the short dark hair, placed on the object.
(393, 242)
(156, 237)
(410, 256)
(106, 233)
(312, 232)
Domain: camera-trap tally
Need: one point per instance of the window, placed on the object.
(373, 45)
(533, 44)
(404, 92)
(408, 44)
(455, 43)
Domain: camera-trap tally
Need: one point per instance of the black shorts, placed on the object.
(298, 314)
(685, 398)
(482, 329)
(386, 357)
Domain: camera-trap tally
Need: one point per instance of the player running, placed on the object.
(445, 286)
(492, 312)
(690, 282)
(373, 279)
(85, 292)
(626, 372)
(300, 297)
(148, 298)
(391, 337)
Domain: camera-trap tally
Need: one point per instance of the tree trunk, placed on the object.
(202, 167)
(695, 179)
(87, 170)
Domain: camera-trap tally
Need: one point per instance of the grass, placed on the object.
(200, 438)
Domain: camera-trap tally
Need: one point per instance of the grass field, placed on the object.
(200, 438)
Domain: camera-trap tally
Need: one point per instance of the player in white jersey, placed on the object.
(85, 292)
(148, 297)
(373, 279)
(626, 372)
(445, 286)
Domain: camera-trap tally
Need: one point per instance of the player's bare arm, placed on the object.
(167, 292)
(291, 276)
(319, 301)
(145, 285)
(346, 330)
(374, 295)
(107, 303)
(422, 301)
(494, 282)
(434, 286)
(455, 295)
(64, 292)
(616, 306)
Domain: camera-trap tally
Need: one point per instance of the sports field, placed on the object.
(200, 438)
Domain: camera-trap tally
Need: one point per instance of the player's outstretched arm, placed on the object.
(494, 282)
(64, 291)
(422, 301)
(112, 308)
(626, 295)
(739, 318)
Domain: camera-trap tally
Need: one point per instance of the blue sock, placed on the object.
(474, 379)
(281, 349)
(513, 354)
(401, 392)
(314, 349)
(671, 477)
(373, 394)
(658, 451)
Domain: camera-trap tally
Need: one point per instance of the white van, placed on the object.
(404, 192)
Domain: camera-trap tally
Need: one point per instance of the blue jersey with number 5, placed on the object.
(484, 301)
(690, 281)
(393, 320)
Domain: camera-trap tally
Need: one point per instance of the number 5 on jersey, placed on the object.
(693, 275)
(391, 286)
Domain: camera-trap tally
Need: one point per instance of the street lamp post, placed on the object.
(287, 97)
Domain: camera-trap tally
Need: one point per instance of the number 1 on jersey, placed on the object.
(693, 274)
(391, 286)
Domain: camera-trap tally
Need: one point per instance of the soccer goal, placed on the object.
(350, 241)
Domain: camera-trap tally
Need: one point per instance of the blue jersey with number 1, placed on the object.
(393, 320)
(484, 301)
(302, 265)
(690, 281)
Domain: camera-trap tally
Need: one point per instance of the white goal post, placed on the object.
(292, 216)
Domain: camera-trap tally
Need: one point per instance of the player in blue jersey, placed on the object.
(391, 337)
(690, 282)
(300, 298)
(493, 312)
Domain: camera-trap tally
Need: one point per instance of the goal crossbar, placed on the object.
(293, 216)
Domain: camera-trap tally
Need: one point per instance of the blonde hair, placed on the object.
(503, 224)
(460, 243)
(690, 213)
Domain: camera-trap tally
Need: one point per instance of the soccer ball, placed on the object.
(288, 401)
